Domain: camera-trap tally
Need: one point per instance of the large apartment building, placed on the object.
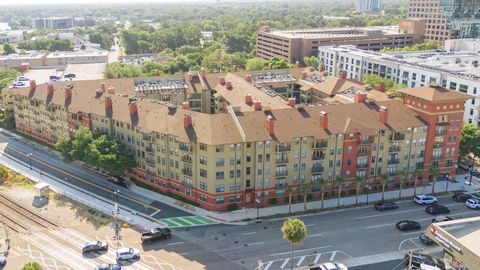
(457, 71)
(52, 23)
(447, 19)
(294, 45)
(368, 5)
(259, 142)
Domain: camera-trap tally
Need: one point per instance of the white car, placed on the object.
(127, 254)
(331, 266)
(425, 199)
(473, 203)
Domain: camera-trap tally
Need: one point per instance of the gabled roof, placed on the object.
(435, 94)
(333, 85)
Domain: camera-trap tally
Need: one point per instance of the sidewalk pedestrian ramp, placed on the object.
(187, 221)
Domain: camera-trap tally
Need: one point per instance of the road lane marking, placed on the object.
(333, 256)
(403, 211)
(410, 233)
(313, 235)
(284, 263)
(176, 243)
(154, 213)
(317, 258)
(309, 225)
(378, 226)
(249, 233)
(265, 267)
(300, 250)
(300, 261)
(256, 243)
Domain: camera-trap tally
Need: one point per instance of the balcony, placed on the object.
(150, 148)
(187, 184)
(437, 157)
(187, 171)
(284, 148)
(281, 185)
(395, 148)
(362, 165)
(147, 137)
(320, 144)
(438, 144)
(368, 140)
(397, 137)
(363, 153)
(441, 132)
(185, 147)
(150, 161)
(281, 173)
(187, 159)
(393, 161)
(282, 160)
(317, 169)
(318, 156)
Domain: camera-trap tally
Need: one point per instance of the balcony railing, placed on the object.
(187, 184)
(395, 148)
(281, 185)
(363, 153)
(281, 173)
(147, 137)
(284, 148)
(397, 137)
(438, 144)
(318, 157)
(362, 165)
(393, 161)
(368, 140)
(282, 160)
(150, 148)
(150, 161)
(187, 171)
(317, 169)
(437, 157)
(185, 147)
(320, 144)
(187, 159)
(441, 132)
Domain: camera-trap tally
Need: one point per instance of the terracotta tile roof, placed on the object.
(435, 94)
(333, 85)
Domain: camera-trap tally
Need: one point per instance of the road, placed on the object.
(115, 53)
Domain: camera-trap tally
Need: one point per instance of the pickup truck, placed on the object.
(155, 234)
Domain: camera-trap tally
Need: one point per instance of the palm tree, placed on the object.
(384, 178)
(305, 189)
(416, 174)
(358, 181)
(290, 191)
(339, 185)
(403, 177)
(32, 266)
(295, 232)
(435, 173)
(322, 183)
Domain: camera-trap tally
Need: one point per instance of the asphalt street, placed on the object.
(388, 265)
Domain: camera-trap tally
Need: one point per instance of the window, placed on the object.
(203, 185)
(448, 163)
(219, 149)
(219, 188)
(203, 173)
(220, 175)
(350, 149)
(203, 197)
(219, 200)
(463, 88)
(219, 162)
(453, 86)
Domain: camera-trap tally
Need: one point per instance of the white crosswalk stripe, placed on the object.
(310, 259)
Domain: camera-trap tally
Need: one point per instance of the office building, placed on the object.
(455, 71)
(52, 23)
(260, 145)
(368, 5)
(447, 19)
(294, 45)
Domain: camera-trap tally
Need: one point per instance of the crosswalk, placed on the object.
(187, 221)
(284, 263)
(60, 249)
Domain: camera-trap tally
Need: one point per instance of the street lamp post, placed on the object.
(447, 177)
(29, 155)
(368, 191)
(257, 205)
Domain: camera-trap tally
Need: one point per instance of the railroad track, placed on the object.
(19, 210)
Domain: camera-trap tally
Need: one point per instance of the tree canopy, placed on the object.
(32, 266)
(428, 45)
(374, 80)
(44, 44)
(7, 76)
(470, 142)
(8, 49)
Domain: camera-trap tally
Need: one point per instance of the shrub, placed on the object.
(309, 196)
(272, 201)
(352, 192)
(232, 207)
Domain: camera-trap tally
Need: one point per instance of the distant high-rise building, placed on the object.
(368, 5)
(52, 23)
(447, 19)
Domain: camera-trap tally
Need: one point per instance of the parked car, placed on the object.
(127, 254)
(118, 181)
(155, 234)
(473, 204)
(441, 219)
(70, 75)
(108, 267)
(418, 259)
(3, 260)
(425, 239)
(22, 79)
(462, 196)
(386, 206)
(408, 225)
(437, 209)
(55, 78)
(94, 246)
(425, 199)
(330, 266)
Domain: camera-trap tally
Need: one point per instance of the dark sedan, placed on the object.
(407, 225)
(437, 209)
(462, 197)
(386, 206)
(94, 246)
(441, 219)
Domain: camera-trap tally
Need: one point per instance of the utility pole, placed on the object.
(116, 224)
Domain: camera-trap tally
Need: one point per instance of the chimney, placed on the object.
(203, 73)
(186, 105)
(324, 120)
(190, 76)
(33, 85)
(270, 67)
(157, 73)
(257, 105)
(103, 87)
(111, 90)
(68, 93)
(343, 75)
(133, 107)
(248, 99)
(187, 120)
(322, 68)
(304, 74)
(270, 125)
(359, 97)
(381, 87)
(291, 102)
(248, 78)
(383, 114)
(222, 80)
(108, 102)
(229, 85)
(50, 89)
(297, 64)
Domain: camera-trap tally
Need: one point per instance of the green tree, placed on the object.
(435, 174)
(255, 64)
(64, 146)
(322, 182)
(8, 49)
(374, 80)
(295, 232)
(384, 178)
(7, 76)
(416, 173)
(290, 194)
(339, 181)
(305, 187)
(32, 266)
(80, 140)
(311, 61)
(358, 182)
(404, 176)
(428, 45)
(470, 142)
(278, 63)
